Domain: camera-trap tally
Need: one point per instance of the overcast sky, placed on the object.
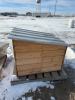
(23, 6)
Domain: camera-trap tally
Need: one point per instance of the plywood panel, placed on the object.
(51, 59)
(24, 43)
(49, 69)
(28, 55)
(52, 64)
(14, 56)
(30, 48)
(42, 70)
(48, 47)
(29, 72)
(29, 67)
(33, 58)
(28, 61)
(53, 53)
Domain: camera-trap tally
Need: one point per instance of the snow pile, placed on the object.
(29, 98)
(52, 98)
(70, 58)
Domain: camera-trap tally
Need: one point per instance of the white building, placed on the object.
(40, 14)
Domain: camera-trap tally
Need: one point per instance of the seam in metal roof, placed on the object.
(35, 36)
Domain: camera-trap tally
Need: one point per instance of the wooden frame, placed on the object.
(33, 58)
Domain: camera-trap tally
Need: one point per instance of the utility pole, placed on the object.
(36, 7)
(55, 7)
(49, 9)
(67, 14)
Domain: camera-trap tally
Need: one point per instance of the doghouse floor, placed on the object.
(50, 76)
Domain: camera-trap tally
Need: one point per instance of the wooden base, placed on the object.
(50, 76)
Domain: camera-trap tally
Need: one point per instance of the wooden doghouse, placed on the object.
(37, 52)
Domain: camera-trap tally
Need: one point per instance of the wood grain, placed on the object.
(33, 58)
(53, 53)
(47, 47)
(29, 67)
(15, 69)
(30, 48)
(24, 43)
(28, 55)
(52, 64)
(41, 70)
(29, 72)
(28, 61)
(50, 69)
(2, 64)
(52, 59)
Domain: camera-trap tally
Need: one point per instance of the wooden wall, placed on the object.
(32, 58)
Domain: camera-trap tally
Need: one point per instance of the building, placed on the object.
(9, 14)
(28, 14)
(40, 14)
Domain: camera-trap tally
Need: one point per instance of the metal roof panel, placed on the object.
(35, 36)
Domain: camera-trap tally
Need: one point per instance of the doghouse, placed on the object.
(37, 52)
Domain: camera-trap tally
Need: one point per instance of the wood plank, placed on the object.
(39, 76)
(47, 47)
(14, 71)
(38, 80)
(31, 77)
(24, 43)
(30, 48)
(28, 55)
(28, 61)
(52, 59)
(39, 70)
(23, 78)
(52, 64)
(50, 69)
(28, 72)
(53, 53)
(29, 67)
(62, 73)
(2, 63)
(47, 75)
(55, 74)
(14, 57)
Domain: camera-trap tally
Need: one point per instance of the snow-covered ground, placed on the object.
(50, 24)
(37, 24)
(57, 26)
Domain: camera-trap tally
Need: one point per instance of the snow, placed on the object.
(57, 26)
(23, 98)
(52, 98)
(41, 24)
(70, 58)
(38, 24)
(29, 98)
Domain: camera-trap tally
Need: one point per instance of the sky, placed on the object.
(64, 7)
